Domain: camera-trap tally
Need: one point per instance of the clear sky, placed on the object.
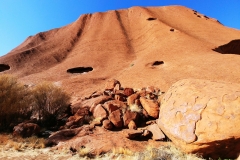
(22, 18)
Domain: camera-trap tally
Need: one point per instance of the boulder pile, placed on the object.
(198, 116)
(118, 108)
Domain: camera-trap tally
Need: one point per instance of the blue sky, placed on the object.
(22, 18)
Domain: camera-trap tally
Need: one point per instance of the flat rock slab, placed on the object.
(202, 116)
(102, 141)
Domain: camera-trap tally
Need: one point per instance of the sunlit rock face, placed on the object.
(202, 116)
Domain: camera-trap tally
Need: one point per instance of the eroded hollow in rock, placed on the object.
(4, 67)
(157, 63)
(151, 19)
(233, 47)
(80, 70)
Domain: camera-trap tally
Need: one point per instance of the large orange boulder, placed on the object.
(202, 116)
(150, 106)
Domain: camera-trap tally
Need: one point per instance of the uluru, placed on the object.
(131, 49)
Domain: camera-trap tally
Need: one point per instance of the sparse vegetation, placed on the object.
(50, 103)
(19, 144)
(84, 152)
(45, 101)
(162, 153)
(135, 108)
(14, 102)
(121, 150)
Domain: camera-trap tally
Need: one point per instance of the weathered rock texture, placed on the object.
(203, 116)
(133, 45)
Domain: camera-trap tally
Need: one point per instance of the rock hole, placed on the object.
(233, 47)
(151, 19)
(172, 30)
(79, 70)
(157, 63)
(198, 16)
(4, 67)
(206, 17)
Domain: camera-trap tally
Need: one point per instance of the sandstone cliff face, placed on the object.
(202, 116)
(138, 46)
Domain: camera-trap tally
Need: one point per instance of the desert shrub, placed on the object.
(49, 103)
(14, 102)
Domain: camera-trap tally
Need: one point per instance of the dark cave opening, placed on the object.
(80, 70)
(4, 67)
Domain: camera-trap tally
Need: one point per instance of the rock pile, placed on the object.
(198, 116)
(119, 108)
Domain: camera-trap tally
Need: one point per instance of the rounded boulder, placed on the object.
(202, 116)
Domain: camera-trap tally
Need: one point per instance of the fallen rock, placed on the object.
(132, 125)
(116, 88)
(92, 103)
(83, 111)
(67, 134)
(150, 89)
(78, 119)
(150, 106)
(107, 124)
(116, 118)
(157, 134)
(75, 106)
(120, 97)
(99, 112)
(129, 116)
(202, 116)
(95, 94)
(75, 120)
(133, 134)
(26, 129)
(111, 84)
(145, 114)
(110, 107)
(131, 99)
(117, 103)
(128, 91)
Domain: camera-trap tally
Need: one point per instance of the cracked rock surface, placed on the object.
(202, 116)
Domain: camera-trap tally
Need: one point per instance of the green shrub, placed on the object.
(50, 103)
(14, 102)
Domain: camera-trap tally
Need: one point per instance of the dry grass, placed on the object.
(121, 150)
(162, 153)
(33, 146)
(8, 142)
(84, 152)
(135, 108)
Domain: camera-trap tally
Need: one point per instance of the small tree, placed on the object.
(50, 103)
(14, 102)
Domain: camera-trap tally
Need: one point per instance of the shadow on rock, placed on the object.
(230, 149)
(233, 47)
